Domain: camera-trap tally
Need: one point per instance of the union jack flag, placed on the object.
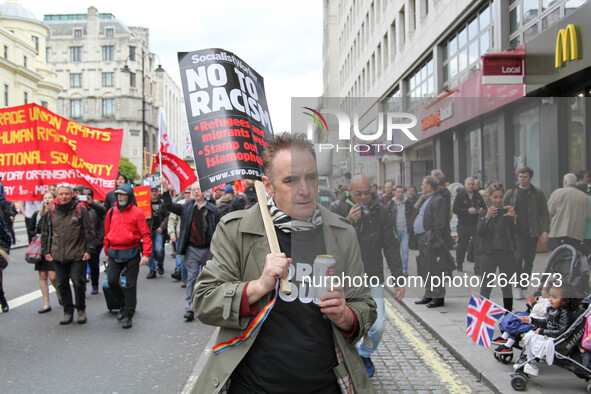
(482, 316)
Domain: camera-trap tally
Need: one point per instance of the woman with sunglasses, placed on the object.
(496, 228)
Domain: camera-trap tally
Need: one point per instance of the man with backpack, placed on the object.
(246, 199)
(127, 236)
(67, 239)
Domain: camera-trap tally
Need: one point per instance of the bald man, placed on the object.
(376, 233)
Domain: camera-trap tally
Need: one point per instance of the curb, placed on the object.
(190, 384)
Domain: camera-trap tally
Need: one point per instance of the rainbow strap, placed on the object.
(252, 328)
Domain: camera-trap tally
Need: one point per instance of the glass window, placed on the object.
(108, 52)
(485, 18)
(551, 19)
(463, 60)
(75, 108)
(576, 134)
(473, 54)
(26, 98)
(572, 5)
(75, 80)
(530, 10)
(514, 19)
(484, 43)
(453, 46)
(5, 95)
(36, 43)
(526, 141)
(453, 67)
(110, 32)
(490, 153)
(530, 32)
(75, 54)
(44, 104)
(472, 146)
(108, 107)
(132, 80)
(514, 43)
(132, 53)
(473, 29)
(77, 33)
(463, 38)
(108, 80)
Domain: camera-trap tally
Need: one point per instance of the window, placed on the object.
(5, 52)
(577, 156)
(35, 43)
(108, 80)
(108, 107)
(462, 51)
(5, 95)
(132, 54)
(472, 148)
(490, 153)
(44, 104)
(75, 80)
(110, 32)
(526, 142)
(421, 86)
(77, 33)
(75, 54)
(108, 52)
(132, 80)
(24, 61)
(529, 17)
(75, 108)
(47, 54)
(26, 98)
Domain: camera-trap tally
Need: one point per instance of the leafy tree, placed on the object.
(128, 168)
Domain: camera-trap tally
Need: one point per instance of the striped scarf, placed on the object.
(286, 224)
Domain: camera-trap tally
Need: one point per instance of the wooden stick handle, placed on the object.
(270, 230)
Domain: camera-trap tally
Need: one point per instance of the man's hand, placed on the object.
(354, 213)
(472, 211)
(276, 264)
(86, 257)
(163, 183)
(144, 260)
(399, 293)
(159, 230)
(334, 305)
(48, 257)
(544, 237)
(172, 238)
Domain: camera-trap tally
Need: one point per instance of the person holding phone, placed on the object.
(496, 229)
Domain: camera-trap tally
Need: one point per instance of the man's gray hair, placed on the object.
(570, 179)
(468, 179)
(66, 185)
(437, 173)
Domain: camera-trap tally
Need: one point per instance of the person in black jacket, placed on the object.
(376, 232)
(431, 227)
(199, 219)
(467, 205)
(496, 229)
(246, 199)
(111, 198)
(158, 224)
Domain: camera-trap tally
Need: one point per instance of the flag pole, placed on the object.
(270, 230)
(161, 172)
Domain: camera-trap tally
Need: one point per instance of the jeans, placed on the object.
(403, 239)
(376, 331)
(157, 256)
(76, 272)
(195, 259)
(127, 298)
(178, 258)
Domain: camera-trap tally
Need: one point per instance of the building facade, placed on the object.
(112, 80)
(480, 78)
(24, 74)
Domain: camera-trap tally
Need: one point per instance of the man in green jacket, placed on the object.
(302, 346)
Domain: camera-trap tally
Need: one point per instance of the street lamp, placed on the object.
(126, 69)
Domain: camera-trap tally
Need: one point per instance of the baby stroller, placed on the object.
(572, 263)
(566, 352)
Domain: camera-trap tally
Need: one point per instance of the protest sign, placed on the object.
(175, 170)
(227, 114)
(39, 148)
(143, 199)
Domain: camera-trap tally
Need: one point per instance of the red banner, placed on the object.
(39, 148)
(175, 170)
(143, 199)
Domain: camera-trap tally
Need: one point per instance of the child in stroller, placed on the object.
(563, 306)
(513, 328)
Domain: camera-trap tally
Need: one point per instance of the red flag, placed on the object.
(175, 170)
